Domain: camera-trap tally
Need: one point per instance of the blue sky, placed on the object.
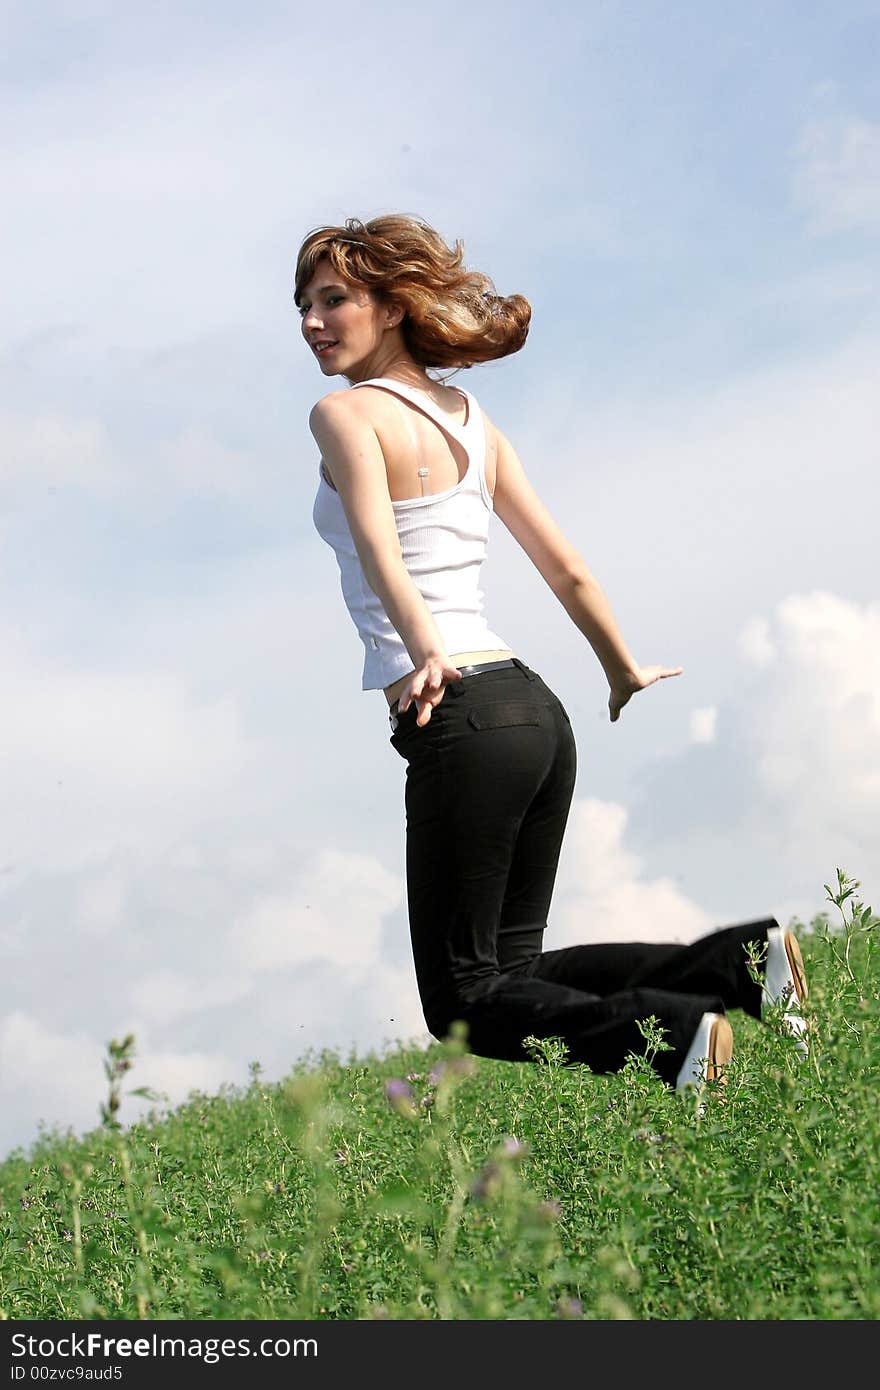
(202, 837)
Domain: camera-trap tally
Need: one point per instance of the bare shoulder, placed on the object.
(352, 411)
(329, 407)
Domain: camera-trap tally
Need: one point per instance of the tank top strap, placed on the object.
(424, 402)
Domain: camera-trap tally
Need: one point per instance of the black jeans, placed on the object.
(489, 783)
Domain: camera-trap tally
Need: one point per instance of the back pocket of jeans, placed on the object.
(411, 739)
(503, 715)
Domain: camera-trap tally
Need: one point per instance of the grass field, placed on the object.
(434, 1185)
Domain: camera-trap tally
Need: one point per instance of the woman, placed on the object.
(411, 472)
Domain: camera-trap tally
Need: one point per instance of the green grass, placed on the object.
(497, 1191)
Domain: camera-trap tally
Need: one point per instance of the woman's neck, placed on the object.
(398, 367)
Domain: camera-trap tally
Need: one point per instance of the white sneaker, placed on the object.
(708, 1055)
(785, 982)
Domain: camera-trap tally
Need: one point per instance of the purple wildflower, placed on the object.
(465, 1065)
(487, 1182)
(512, 1148)
(399, 1096)
(568, 1308)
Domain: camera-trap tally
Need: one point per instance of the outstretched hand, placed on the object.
(427, 687)
(622, 690)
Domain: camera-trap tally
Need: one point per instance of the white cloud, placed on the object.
(755, 645)
(55, 1079)
(363, 1006)
(837, 174)
(166, 995)
(600, 892)
(815, 730)
(61, 451)
(335, 914)
(208, 959)
(196, 462)
(53, 449)
(47, 1076)
(136, 727)
(175, 1075)
(757, 482)
(88, 757)
(703, 724)
(99, 905)
(762, 819)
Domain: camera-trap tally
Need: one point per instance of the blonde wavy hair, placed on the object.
(453, 316)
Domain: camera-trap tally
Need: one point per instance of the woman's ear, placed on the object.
(394, 315)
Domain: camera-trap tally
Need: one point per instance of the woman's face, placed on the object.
(344, 324)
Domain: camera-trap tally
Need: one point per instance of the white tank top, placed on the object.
(443, 541)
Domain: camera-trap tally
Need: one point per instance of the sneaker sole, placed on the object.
(796, 961)
(720, 1051)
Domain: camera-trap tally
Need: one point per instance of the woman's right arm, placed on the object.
(556, 560)
(351, 450)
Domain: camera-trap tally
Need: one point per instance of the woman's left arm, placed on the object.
(559, 563)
